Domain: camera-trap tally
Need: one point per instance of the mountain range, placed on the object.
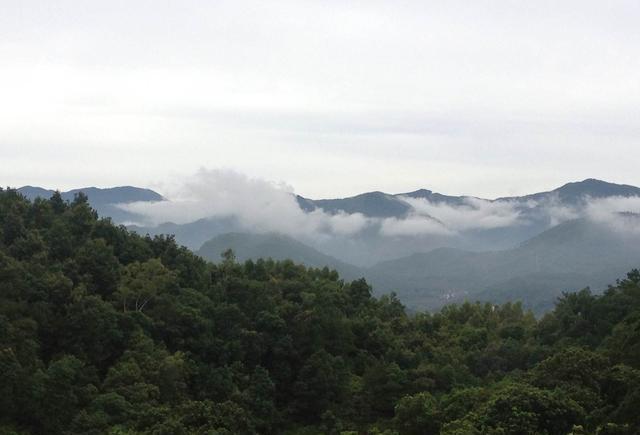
(547, 243)
(380, 204)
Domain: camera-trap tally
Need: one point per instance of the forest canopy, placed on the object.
(106, 331)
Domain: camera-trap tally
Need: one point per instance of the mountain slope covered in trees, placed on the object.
(105, 331)
(573, 255)
(247, 246)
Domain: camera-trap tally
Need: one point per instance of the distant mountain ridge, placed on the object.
(376, 204)
(104, 200)
(371, 204)
(108, 195)
(370, 246)
(380, 204)
(574, 192)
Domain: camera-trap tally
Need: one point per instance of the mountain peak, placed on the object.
(595, 188)
(578, 191)
(420, 193)
(586, 183)
(372, 204)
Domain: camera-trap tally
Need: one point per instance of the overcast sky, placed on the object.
(334, 98)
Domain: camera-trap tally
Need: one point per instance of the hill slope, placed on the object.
(277, 247)
(571, 256)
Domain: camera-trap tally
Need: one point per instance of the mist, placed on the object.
(261, 205)
(474, 213)
(258, 205)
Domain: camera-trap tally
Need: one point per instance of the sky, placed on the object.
(333, 98)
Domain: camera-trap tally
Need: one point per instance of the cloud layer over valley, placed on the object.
(258, 205)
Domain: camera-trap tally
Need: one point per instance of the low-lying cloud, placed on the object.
(615, 211)
(413, 225)
(473, 213)
(621, 214)
(602, 209)
(257, 205)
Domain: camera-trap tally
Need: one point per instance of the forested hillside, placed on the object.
(247, 246)
(106, 331)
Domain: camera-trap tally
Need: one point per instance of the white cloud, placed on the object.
(258, 205)
(601, 209)
(414, 225)
(619, 213)
(475, 213)
(554, 210)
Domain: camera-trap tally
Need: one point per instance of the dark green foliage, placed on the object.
(523, 409)
(104, 331)
(417, 414)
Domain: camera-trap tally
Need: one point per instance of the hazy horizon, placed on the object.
(175, 186)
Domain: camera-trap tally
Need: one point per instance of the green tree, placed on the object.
(523, 409)
(142, 282)
(417, 414)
